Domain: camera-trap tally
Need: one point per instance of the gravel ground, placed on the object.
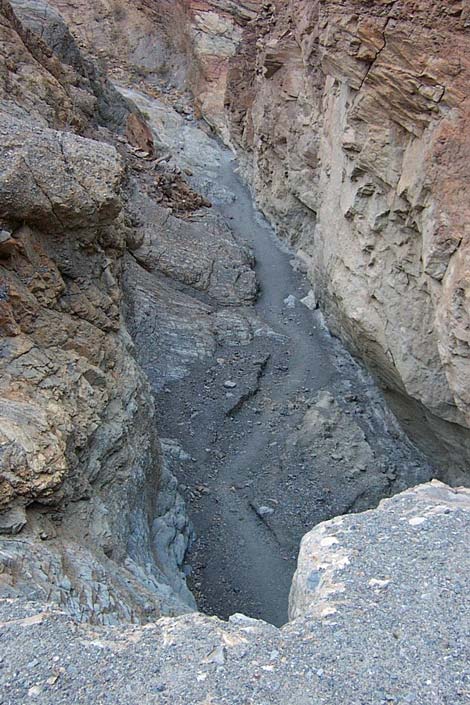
(384, 619)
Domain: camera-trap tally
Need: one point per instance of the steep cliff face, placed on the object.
(350, 119)
(81, 466)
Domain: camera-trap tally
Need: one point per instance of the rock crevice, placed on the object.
(348, 119)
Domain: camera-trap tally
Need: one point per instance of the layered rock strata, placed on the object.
(103, 531)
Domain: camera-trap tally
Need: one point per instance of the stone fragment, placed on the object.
(8, 244)
(57, 177)
(290, 301)
(310, 300)
(265, 511)
(139, 134)
(217, 656)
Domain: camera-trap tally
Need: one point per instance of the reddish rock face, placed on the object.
(139, 134)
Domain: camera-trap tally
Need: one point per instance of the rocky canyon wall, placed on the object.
(117, 279)
(103, 531)
(350, 119)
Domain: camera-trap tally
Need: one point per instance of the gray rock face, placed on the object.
(203, 255)
(401, 565)
(45, 22)
(172, 329)
(89, 513)
(55, 177)
(373, 594)
(189, 281)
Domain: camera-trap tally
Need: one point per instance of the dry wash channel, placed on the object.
(271, 426)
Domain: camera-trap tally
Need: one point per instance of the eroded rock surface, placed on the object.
(125, 271)
(237, 385)
(89, 514)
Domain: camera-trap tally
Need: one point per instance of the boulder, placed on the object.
(47, 176)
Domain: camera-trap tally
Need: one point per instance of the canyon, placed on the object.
(233, 275)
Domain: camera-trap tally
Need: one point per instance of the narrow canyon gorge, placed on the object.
(235, 362)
